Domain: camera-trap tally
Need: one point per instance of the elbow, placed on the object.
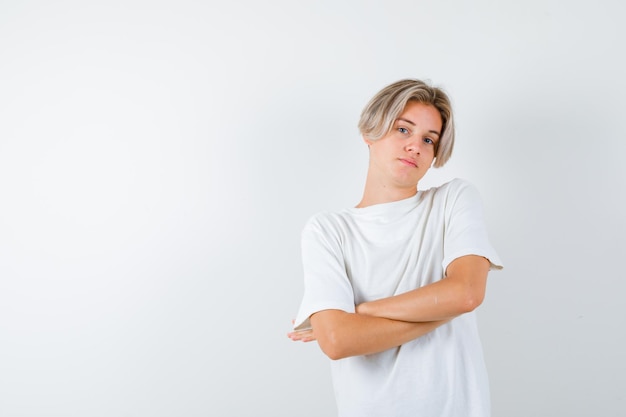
(470, 305)
(335, 355)
(333, 335)
(470, 301)
(332, 346)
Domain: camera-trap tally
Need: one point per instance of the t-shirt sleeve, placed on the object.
(326, 284)
(465, 230)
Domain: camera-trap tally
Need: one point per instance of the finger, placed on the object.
(301, 335)
(296, 335)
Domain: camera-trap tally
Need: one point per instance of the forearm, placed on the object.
(438, 301)
(461, 292)
(342, 334)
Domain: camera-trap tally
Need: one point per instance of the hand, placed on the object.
(362, 309)
(302, 335)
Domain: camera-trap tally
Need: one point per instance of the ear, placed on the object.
(367, 141)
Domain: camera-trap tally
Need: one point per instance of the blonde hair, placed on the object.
(379, 115)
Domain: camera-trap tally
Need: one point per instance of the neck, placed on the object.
(379, 193)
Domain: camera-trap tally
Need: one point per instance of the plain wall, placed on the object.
(159, 159)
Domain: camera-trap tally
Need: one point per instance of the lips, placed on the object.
(407, 161)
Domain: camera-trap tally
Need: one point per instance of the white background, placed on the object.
(159, 158)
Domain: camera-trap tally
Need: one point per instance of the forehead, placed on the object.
(421, 114)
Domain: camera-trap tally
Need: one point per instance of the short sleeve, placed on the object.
(465, 231)
(326, 284)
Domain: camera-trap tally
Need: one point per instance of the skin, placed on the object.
(403, 156)
(397, 162)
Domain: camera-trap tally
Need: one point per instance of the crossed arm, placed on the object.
(389, 322)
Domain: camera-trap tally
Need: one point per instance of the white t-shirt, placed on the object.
(363, 254)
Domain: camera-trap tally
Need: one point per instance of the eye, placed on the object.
(429, 141)
(403, 130)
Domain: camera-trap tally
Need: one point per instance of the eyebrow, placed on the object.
(413, 124)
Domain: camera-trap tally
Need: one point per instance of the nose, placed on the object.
(414, 147)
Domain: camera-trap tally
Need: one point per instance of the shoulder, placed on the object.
(456, 185)
(327, 223)
(458, 197)
(453, 190)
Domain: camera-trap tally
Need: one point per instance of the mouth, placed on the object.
(408, 162)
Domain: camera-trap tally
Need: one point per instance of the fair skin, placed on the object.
(397, 162)
(403, 156)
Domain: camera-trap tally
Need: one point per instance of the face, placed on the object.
(402, 157)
